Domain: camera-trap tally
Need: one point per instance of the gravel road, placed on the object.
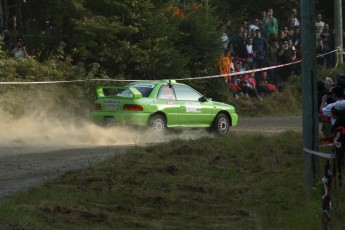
(22, 167)
(268, 124)
(25, 167)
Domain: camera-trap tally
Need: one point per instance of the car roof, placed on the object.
(153, 82)
(156, 81)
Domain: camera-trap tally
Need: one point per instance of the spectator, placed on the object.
(296, 38)
(7, 40)
(264, 84)
(250, 53)
(225, 40)
(249, 86)
(337, 93)
(235, 85)
(324, 97)
(333, 56)
(282, 37)
(19, 50)
(326, 37)
(286, 55)
(291, 34)
(241, 44)
(319, 25)
(261, 23)
(328, 83)
(245, 27)
(321, 57)
(322, 90)
(27, 15)
(271, 24)
(291, 45)
(230, 33)
(252, 32)
(293, 21)
(285, 32)
(228, 28)
(255, 24)
(271, 59)
(240, 65)
(290, 24)
(260, 45)
(294, 12)
(296, 67)
(225, 64)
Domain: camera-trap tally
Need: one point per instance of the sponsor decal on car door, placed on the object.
(192, 112)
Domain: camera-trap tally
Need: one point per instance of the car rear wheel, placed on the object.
(158, 123)
(221, 124)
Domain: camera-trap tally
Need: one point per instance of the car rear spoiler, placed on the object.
(111, 91)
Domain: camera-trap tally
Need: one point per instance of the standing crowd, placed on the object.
(267, 42)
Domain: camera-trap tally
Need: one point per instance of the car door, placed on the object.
(166, 102)
(192, 112)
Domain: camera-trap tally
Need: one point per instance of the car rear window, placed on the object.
(144, 89)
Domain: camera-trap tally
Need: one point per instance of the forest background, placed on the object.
(132, 39)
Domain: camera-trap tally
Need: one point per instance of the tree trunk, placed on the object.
(19, 17)
(5, 11)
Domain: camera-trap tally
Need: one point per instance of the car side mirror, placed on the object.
(202, 99)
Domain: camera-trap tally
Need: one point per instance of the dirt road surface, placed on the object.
(268, 125)
(23, 166)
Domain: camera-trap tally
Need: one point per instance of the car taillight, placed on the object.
(98, 107)
(132, 107)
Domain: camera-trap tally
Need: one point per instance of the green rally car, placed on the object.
(160, 105)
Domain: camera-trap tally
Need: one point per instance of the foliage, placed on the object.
(139, 39)
(64, 98)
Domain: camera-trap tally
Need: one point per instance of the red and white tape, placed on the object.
(253, 70)
(180, 79)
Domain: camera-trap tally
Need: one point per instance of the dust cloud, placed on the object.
(33, 130)
(44, 122)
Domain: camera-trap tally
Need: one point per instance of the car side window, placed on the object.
(185, 93)
(166, 93)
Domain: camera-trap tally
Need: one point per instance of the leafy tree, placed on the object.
(130, 39)
(201, 40)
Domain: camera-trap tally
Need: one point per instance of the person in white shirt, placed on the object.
(251, 53)
(339, 104)
(319, 24)
(19, 50)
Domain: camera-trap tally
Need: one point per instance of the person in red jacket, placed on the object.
(249, 88)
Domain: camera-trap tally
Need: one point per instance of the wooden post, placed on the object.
(309, 92)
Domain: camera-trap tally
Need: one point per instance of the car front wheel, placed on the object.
(221, 124)
(158, 123)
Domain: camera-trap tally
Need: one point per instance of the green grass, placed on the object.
(234, 182)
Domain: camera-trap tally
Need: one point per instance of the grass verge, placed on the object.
(235, 182)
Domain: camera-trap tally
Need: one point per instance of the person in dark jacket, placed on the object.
(271, 59)
(260, 45)
(286, 55)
